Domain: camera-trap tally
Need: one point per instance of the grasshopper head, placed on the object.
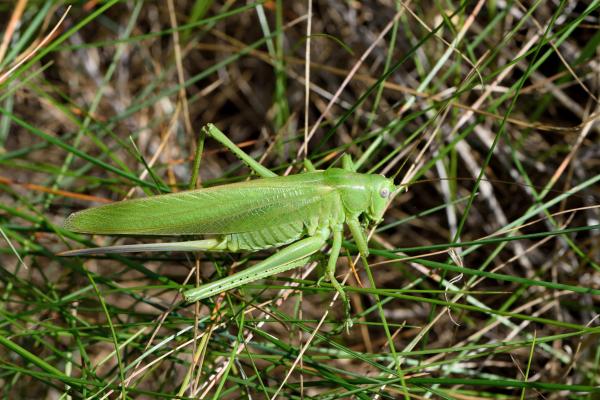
(381, 190)
(361, 194)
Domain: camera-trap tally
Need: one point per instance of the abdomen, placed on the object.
(287, 227)
(274, 236)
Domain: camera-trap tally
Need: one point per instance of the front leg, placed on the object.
(359, 236)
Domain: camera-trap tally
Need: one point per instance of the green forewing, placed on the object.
(238, 207)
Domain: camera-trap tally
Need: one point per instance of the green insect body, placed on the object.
(298, 211)
(251, 215)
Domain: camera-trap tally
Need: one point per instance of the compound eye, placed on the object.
(385, 192)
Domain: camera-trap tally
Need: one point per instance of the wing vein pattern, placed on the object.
(271, 207)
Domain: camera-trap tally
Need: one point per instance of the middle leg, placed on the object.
(330, 272)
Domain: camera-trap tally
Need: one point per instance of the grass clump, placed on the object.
(483, 281)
